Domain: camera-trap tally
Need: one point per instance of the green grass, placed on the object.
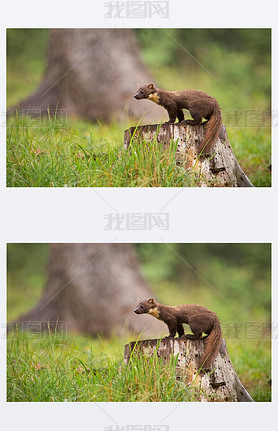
(56, 370)
(83, 369)
(252, 361)
(252, 146)
(56, 153)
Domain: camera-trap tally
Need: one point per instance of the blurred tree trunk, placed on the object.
(94, 289)
(92, 74)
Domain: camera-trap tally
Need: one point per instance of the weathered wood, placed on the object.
(220, 170)
(220, 384)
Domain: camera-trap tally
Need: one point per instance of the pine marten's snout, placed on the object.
(143, 306)
(141, 93)
(138, 310)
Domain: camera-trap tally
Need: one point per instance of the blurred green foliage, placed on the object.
(26, 275)
(232, 64)
(26, 61)
(31, 42)
(228, 278)
(254, 41)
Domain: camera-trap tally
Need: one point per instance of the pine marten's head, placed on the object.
(147, 306)
(147, 92)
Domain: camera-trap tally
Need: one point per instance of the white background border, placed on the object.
(77, 215)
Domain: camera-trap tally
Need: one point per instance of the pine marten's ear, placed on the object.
(138, 85)
(151, 301)
(151, 86)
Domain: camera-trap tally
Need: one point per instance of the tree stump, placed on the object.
(220, 384)
(220, 170)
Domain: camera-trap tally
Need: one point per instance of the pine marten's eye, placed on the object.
(142, 92)
(142, 306)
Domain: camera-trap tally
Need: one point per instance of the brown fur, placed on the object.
(199, 104)
(200, 319)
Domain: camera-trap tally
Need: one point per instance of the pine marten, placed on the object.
(200, 319)
(199, 104)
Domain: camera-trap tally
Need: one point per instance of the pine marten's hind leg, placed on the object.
(197, 333)
(180, 115)
(197, 119)
(172, 326)
(196, 109)
(172, 112)
(180, 329)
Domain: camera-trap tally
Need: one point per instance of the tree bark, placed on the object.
(220, 170)
(221, 384)
(92, 74)
(92, 288)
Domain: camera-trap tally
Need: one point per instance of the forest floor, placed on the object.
(66, 367)
(58, 153)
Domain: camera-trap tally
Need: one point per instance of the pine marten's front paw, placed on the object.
(191, 122)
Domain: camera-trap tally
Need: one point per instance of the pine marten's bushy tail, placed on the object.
(212, 131)
(212, 345)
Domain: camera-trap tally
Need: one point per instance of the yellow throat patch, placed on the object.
(154, 312)
(154, 98)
